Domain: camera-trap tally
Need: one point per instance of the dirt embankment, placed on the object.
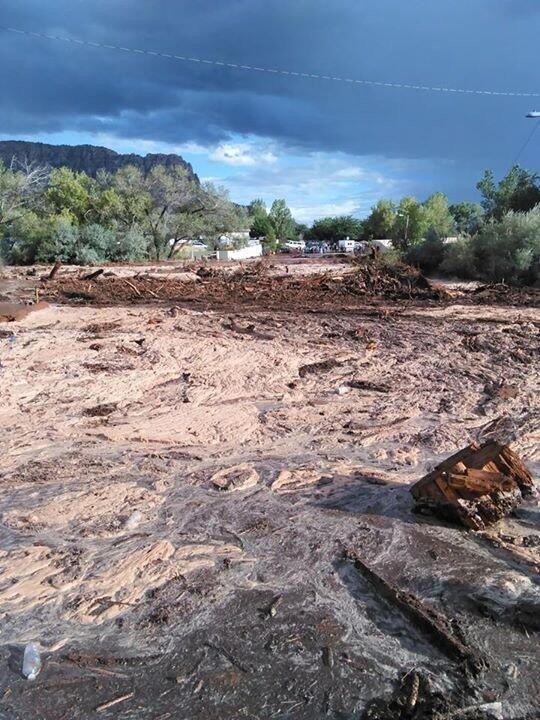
(183, 490)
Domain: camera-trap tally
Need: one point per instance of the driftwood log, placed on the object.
(426, 619)
(56, 267)
(93, 275)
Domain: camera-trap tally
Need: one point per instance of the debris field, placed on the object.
(258, 284)
(206, 505)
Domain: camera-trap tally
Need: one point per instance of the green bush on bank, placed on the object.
(506, 250)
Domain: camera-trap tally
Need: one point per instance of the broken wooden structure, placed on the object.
(476, 487)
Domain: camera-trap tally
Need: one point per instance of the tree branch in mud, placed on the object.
(93, 275)
(429, 621)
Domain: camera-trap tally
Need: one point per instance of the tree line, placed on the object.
(129, 216)
(125, 216)
(496, 239)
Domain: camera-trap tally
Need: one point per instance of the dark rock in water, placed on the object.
(86, 158)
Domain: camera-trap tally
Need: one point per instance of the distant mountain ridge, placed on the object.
(85, 158)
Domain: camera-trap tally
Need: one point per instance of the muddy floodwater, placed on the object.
(182, 487)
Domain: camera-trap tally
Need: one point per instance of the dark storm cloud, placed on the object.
(493, 44)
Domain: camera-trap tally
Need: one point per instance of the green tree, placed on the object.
(22, 239)
(136, 202)
(60, 242)
(437, 216)
(468, 217)
(216, 216)
(459, 260)
(332, 229)
(68, 192)
(427, 254)
(488, 190)
(257, 207)
(181, 209)
(95, 244)
(107, 207)
(509, 249)
(380, 223)
(261, 227)
(282, 220)
(270, 242)
(301, 230)
(175, 199)
(410, 224)
(519, 190)
(131, 245)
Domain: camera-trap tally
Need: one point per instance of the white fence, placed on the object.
(244, 253)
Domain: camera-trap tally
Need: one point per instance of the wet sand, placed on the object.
(240, 603)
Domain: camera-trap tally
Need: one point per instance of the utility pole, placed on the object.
(407, 228)
(407, 220)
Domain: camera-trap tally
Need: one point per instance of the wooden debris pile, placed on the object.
(395, 281)
(476, 487)
(508, 294)
(253, 284)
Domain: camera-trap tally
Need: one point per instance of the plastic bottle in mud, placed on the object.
(31, 661)
(133, 520)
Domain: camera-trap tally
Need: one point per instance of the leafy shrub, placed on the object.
(271, 243)
(509, 250)
(458, 259)
(21, 240)
(392, 256)
(96, 244)
(87, 255)
(59, 240)
(130, 246)
(427, 255)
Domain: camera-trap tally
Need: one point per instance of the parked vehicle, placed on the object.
(292, 245)
(347, 245)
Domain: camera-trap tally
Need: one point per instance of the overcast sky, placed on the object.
(327, 147)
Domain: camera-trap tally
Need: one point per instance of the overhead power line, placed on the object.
(273, 71)
(527, 141)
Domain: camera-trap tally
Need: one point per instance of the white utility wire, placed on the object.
(255, 68)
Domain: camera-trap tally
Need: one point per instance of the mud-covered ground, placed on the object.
(151, 588)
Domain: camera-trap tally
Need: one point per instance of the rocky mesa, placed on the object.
(85, 158)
